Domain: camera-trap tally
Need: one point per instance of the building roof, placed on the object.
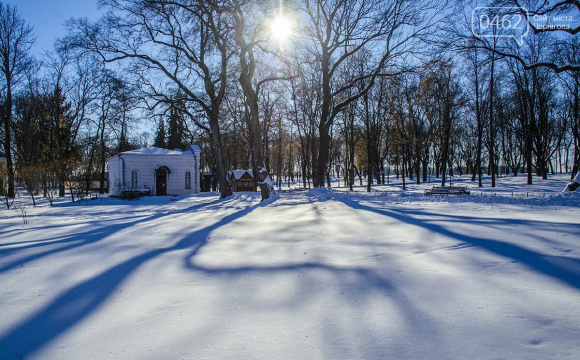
(164, 152)
(239, 173)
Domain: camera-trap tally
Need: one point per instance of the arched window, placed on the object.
(188, 179)
(135, 179)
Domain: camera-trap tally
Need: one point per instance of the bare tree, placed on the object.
(111, 118)
(340, 29)
(475, 64)
(305, 100)
(15, 42)
(445, 97)
(71, 85)
(29, 128)
(571, 82)
(251, 38)
(534, 94)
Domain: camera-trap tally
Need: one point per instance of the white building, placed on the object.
(155, 171)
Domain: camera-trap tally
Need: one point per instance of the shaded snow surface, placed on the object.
(309, 275)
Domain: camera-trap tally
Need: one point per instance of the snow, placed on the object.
(194, 148)
(322, 274)
(159, 151)
(239, 173)
(573, 185)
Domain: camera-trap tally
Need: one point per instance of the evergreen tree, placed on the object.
(161, 135)
(176, 129)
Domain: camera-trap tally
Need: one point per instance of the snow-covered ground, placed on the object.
(309, 275)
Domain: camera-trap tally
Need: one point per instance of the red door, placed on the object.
(161, 181)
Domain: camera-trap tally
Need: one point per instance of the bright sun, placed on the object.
(281, 28)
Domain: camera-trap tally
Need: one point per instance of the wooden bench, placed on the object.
(447, 190)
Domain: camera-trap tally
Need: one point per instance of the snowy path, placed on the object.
(308, 276)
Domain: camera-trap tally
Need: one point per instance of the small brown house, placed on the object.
(243, 180)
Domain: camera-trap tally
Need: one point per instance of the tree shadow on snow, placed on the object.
(84, 299)
(354, 289)
(563, 269)
(97, 230)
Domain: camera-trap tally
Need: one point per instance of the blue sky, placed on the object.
(48, 17)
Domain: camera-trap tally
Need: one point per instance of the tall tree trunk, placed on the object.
(279, 174)
(225, 186)
(477, 166)
(247, 71)
(491, 125)
(7, 117)
(403, 169)
(576, 127)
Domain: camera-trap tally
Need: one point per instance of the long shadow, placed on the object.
(496, 223)
(89, 237)
(10, 234)
(355, 283)
(485, 221)
(563, 269)
(56, 246)
(78, 303)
